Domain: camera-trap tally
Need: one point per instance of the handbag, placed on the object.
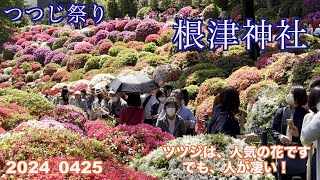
(295, 166)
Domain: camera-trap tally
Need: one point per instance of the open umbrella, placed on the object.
(133, 84)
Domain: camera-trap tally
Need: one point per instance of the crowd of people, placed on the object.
(295, 124)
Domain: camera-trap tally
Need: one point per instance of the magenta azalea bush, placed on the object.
(132, 25)
(147, 27)
(83, 47)
(68, 114)
(185, 12)
(40, 54)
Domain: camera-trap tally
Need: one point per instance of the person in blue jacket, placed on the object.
(223, 119)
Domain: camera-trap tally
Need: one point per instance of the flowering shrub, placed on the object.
(50, 68)
(200, 76)
(166, 37)
(186, 59)
(37, 144)
(210, 87)
(44, 124)
(152, 38)
(280, 70)
(60, 76)
(211, 11)
(77, 61)
(143, 11)
(50, 57)
(93, 63)
(166, 73)
(204, 108)
(147, 27)
(121, 24)
(261, 114)
(76, 38)
(250, 95)
(58, 43)
(302, 70)
(69, 114)
(185, 11)
(111, 171)
(128, 59)
(83, 47)
(101, 35)
(155, 164)
(40, 54)
(130, 36)
(10, 50)
(132, 25)
(72, 45)
(4, 77)
(193, 91)
(19, 85)
(11, 115)
(36, 104)
(30, 49)
(114, 36)
(128, 141)
(2, 131)
(25, 58)
(104, 47)
(244, 77)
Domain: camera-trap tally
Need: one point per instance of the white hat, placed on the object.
(77, 92)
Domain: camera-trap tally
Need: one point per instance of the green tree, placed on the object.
(5, 24)
(127, 7)
(112, 9)
(153, 4)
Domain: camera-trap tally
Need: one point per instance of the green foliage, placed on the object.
(153, 4)
(26, 66)
(211, 11)
(153, 60)
(143, 11)
(59, 42)
(77, 75)
(150, 47)
(92, 63)
(230, 64)
(129, 59)
(200, 76)
(127, 7)
(193, 91)
(114, 50)
(107, 61)
(142, 54)
(164, 4)
(165, 38)
(290, 8)
(77, 61)
(35, 103)
(112, 9)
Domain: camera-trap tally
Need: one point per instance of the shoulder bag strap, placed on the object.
(282, 119)
(146, 101)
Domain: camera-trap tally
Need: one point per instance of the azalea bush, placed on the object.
(210, 87)
(36, 104)
(186, 59)
(204, 108)
(50, 68)
(263, 110)
(147, 27)
(127, 142)
(200, 76)
(37, 144)
(281, 69)
(231, 64)
(11, 115)
(155, 163)
(244, 77)
(166, 73)
(68, 114)
(77, 61)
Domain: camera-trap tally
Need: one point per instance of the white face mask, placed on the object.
(171, 111)
(114, 99)
(290, 99)
(162, 99)
(318, 106)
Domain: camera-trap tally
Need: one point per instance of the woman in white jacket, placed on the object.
(310, 127)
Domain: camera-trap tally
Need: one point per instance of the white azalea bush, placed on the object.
(155, 163)
(261, 113)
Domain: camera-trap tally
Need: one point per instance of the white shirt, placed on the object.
(147, 109)
(306, 120)
(317, 32)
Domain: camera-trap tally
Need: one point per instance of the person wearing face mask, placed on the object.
(171, 122)
(310, 129)
(115, 104)
(286, 129)
(185, 113)
(99, 104)
(157, 107)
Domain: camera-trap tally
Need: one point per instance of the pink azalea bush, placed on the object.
(151, 38)
(68, 114)
(244, 77)
(205, 108)
(43, 124)
(83, 47)
(25, 58)
(128, 141)
(104, 47)
(185, 11)
(40, 54)
(121, 24)
(102, 34)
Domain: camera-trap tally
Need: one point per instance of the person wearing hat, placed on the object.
(115, 104)
(78, 101)
(90, 100)
(99, 105)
